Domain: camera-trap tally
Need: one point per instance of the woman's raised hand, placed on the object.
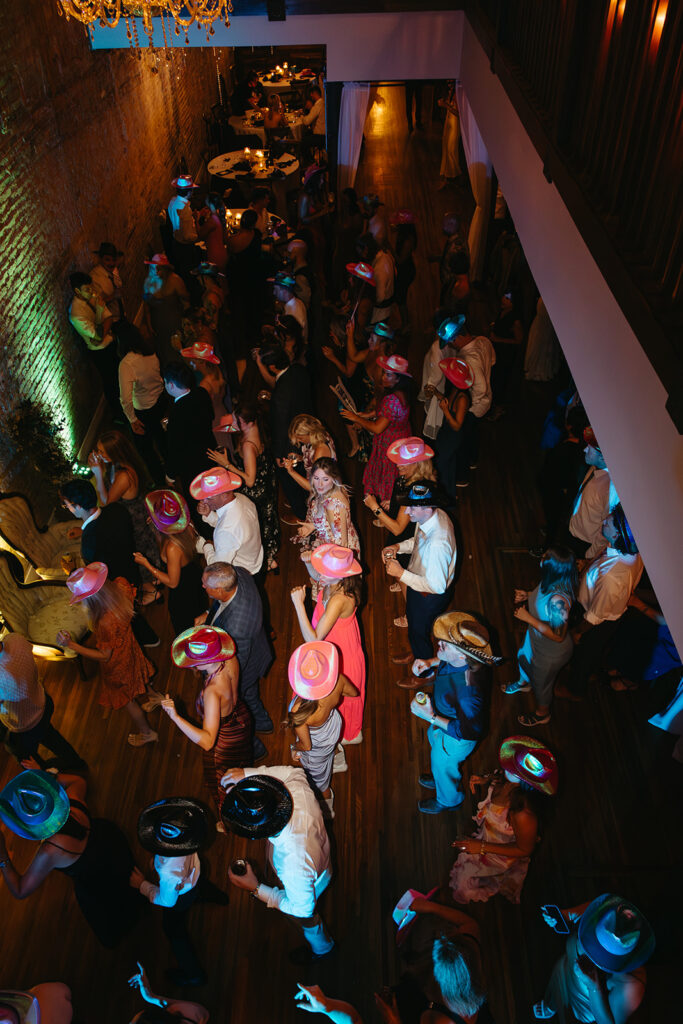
(298, 595)
(219, 457)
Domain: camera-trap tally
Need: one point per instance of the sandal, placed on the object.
(517, 687)
(529, 721)
(401, 622)
(543, 1012)
(395, 588)
(138, 739)
(154, 596)
(154, 699)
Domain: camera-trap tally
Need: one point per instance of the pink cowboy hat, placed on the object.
(200, 350)
(334, 562)
(362, 271)
(214, 481)
(457, 372)
(159, 259)
(314, 669)
(395, 364)
(86, 581)
(183, 181)
(167, 510)
(402, 217)
(227, 424)
(202, 645)
(407, 450)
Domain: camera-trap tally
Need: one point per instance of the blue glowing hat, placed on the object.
(450, 328)
(381, 329)
(284, 280)
(615, 935)
(174, 827)
(34, 805)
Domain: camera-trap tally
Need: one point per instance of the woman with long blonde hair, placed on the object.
(124, 670)
(314, 441)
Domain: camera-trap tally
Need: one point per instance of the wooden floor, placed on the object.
(616, 821)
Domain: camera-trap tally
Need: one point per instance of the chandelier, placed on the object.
(184, 13)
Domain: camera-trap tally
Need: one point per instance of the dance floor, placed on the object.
(614, 825)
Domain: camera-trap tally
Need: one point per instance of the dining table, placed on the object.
(250, 167)
(284, 79)
(251, 123)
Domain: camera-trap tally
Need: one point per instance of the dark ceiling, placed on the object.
(246, 7)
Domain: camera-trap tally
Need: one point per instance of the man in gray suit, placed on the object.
(237, 608)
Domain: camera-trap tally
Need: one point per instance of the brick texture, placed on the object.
(89, 143)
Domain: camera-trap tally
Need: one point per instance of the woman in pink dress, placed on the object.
(391, 422)
(335, 620)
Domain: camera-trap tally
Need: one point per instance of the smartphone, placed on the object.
(561, 926)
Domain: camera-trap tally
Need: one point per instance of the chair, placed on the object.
(39, 549)
(38, 610)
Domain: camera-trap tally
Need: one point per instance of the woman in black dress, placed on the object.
(177, 537)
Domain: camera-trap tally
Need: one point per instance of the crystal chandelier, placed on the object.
(184, 13)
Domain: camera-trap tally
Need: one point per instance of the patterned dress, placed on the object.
(476, 879)
(233, 747)
(345, 635)
(380, 473)
(338, 510)
(263, 492)
(126, 673)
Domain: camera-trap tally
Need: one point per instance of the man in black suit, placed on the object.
(237, 608)
(291, 396)
(189, 432)
(106, 536)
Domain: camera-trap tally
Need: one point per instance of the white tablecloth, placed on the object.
(223, 167)
(244, 126)
(286, 84)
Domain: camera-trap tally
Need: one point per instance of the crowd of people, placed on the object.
(224, 445)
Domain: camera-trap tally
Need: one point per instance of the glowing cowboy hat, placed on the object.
(468, 634)
(590, 438)
(334, 561)
(532, 762)
(159, 259)
(26, 1005)
(214, 481)
(86, 581)
(402, 217)
(183, 181)
(395, 364)
(200, 350)
(206, 269)
(168, 511)
(381, 329)
(408, 450)
(34, 805)
(174, 827)
(363, 271)
(615, 935)
(457, 372)
(257, 806)
(450, 328)
(202, 645)
(314, 669)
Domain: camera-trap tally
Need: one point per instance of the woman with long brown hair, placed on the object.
(169, 515)
(120, 475)
(328, 519)
(125, 671)
(226, 733)
(253, 461)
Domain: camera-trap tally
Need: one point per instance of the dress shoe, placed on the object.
(414, 682)
(431, 806)
(427, 781)
(403, 659)
(182, 979)
(303, 955)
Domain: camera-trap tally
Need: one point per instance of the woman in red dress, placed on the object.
(391, 422)
(335, 620)
(125, 672)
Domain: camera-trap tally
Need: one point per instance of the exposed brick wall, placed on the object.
(89, 144)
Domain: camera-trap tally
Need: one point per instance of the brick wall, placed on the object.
(89, 142)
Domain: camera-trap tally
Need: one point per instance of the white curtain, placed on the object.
(353, 112)
(479, 170)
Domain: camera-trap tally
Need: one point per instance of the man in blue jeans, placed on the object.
(458, 712)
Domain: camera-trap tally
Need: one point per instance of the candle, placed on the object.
(247, 151)
(259, 154)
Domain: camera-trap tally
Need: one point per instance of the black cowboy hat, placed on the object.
(257, 807)
(108, 249)
(424, 494)
(174, 827)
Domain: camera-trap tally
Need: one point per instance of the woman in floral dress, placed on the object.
(328, 520)
(391, 422)
(254, 463)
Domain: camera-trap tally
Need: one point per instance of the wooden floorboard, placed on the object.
(615, 824)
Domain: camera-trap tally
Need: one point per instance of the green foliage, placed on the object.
(36, 437)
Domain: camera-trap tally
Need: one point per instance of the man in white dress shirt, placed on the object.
(186, 254)
(604, 591)
(277, 803)
(236, 531)
(92, 320)
(106, 278)
(592, 503)
(174, 830)
(315, 118)
(430, 573)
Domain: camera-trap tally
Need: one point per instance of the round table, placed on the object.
(287, 82)
(223, 166)
(249, 124)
